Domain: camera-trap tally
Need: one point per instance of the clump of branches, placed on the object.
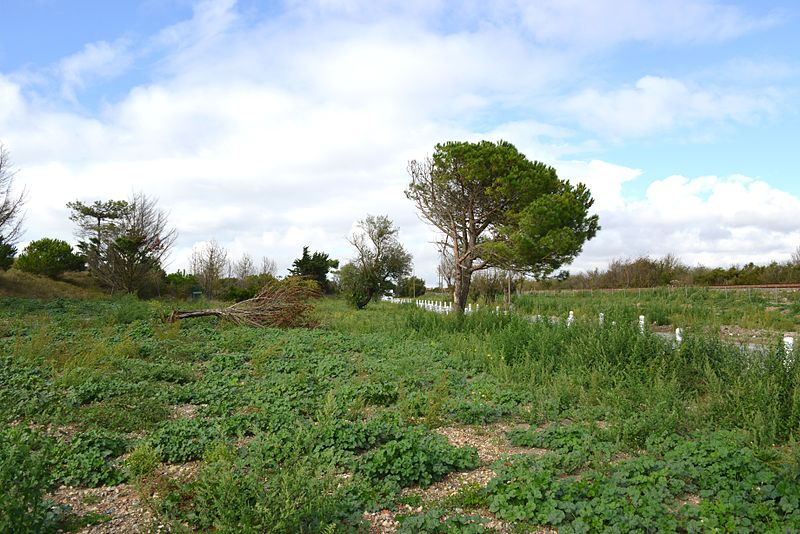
(285, 304)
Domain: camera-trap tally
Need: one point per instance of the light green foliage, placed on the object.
(142, 461)
(49, 257)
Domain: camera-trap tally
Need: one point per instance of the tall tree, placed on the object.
(496, 208)
(379, 263)
(98, 224)
(11, 215)
(130, 240)
(315, 266)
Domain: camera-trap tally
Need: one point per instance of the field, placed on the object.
(397, 419)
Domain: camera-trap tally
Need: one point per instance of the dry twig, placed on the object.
(283, 305)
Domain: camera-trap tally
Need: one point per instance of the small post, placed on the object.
(678, 336)
(497, 310)
(788, 345)
(469, 308)
(570, 318)
(602, 318)
(641, 324)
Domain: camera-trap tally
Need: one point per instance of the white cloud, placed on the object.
(656, 104)
(707, 220)
(100, 59)
(271, 135)
(603, 23)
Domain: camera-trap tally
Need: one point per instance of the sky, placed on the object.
(269, 126)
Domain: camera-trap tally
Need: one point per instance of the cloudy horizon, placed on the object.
(270, 126)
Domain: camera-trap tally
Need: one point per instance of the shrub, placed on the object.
(7, 253)
(49, 257)
(25, 467)
(142, 461)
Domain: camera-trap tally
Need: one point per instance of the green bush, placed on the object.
(26, 460)
(7, 253)
(142, 461)
(49, 257)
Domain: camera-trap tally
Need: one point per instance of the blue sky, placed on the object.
(272, 125)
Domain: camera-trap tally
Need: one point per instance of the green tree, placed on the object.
(127, 242)
(7, 253)
(379, 263)
(496, 208)
(315, 266)
(411, 286)
(49, 257)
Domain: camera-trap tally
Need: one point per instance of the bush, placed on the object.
(7, 253)
(25, 466)
(49, 257)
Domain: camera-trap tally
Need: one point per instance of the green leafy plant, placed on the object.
(26, 460)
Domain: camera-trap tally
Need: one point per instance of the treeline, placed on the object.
(671, 271)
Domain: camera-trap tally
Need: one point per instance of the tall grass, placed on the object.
(641, 384)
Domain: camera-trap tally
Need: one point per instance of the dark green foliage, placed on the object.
(412, 286)
(316, 267)
(437, 521)
(26, 462)
(183, 440)
(49, 257)
(417, 457)
(380, 261)
(736, 490)
(7, 253)
(88, 459)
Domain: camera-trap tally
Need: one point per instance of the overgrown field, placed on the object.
(315, 430)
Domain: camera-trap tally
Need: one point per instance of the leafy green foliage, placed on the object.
(436, 521)
(142, 461)
(735, 489)
(89, 459)
(49, 257)
(379, 263)
(26, 460)
(183, 440)
(411, 286)
(417, 457)
(7, 253)
(316, 267)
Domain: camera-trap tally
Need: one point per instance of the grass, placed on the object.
(304, 430)
(15, 283)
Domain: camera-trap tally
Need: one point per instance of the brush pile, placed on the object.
(281, 304)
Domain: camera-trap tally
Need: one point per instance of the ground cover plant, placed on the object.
(318, 430)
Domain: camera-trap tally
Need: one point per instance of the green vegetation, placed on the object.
(699, 309)
(304, 430)
(49, 257)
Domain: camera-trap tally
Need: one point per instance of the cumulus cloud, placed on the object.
(706, 220)
(275, 133)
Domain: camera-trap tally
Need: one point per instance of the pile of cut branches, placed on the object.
(280, 304)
